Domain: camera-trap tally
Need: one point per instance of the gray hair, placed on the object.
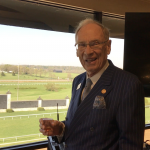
(88, 21)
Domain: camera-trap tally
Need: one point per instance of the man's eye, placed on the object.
(94, 43)
(81, 44)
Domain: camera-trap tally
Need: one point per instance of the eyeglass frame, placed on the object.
(99, 43)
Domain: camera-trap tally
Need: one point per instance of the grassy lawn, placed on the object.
(31, 91)
(27, 126)
(24, 126)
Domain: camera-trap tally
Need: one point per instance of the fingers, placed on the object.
(50, 127)
(46, 132)
(46, 126)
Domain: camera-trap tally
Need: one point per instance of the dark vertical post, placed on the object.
(98, 16)
(57, 113)
(137, 47)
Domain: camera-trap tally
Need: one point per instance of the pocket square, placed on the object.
(99, 103)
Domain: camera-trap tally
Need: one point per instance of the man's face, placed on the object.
(92, 60)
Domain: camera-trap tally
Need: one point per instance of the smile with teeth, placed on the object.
(90, 59)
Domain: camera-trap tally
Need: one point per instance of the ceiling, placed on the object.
(111, 6)
(48, 15)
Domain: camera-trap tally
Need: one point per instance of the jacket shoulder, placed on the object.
(125, 75)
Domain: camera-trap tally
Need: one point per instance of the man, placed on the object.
(111, 115)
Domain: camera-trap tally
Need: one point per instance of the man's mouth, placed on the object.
(90, 60)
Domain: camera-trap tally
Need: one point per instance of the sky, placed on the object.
(26, 46)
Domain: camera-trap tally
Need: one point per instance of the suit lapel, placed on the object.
(77, 96)
(87, 105)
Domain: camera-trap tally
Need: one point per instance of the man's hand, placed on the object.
(50, 127)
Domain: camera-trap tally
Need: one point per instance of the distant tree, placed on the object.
(40, 72)
(31, 70)
(35, 71)
(2, 73)
(51, 87)
(6, 67)
(13, 74)
(26, 70)
(45, 72)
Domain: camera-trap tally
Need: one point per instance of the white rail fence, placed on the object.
(64, 112)
(17, 139)
(36, 137)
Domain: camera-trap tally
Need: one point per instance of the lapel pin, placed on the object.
(79, 85)
(103, 91)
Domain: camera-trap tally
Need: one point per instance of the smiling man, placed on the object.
(106, 111)
(92, 47)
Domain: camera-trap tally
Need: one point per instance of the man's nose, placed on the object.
(88, 50)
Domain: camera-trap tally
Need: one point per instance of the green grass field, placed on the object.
(24, 126)
(28, 126)
(31, 91)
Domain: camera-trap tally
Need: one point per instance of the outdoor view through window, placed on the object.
(37, 68)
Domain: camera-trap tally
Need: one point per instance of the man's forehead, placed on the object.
(90, 32)
(90, 26)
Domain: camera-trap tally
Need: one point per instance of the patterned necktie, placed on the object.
(87, 88)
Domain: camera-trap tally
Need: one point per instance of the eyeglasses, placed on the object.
(93, 45)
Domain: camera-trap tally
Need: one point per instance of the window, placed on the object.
(35, 63)
(37, 66)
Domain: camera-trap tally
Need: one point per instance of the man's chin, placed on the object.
(91, 72)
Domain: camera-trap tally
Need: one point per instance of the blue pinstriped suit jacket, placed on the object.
(118, 127)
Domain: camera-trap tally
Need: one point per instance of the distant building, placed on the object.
(57, 71)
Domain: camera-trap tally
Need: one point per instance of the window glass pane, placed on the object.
(33, 60)
(34, 63)
(117, 50)
(35, 66)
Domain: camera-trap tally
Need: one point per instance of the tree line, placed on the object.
(38, 70)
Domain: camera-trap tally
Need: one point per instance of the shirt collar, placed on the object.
(98, 75)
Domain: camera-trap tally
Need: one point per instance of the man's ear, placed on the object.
(108, 47)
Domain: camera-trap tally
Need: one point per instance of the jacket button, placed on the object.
(91, 129)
